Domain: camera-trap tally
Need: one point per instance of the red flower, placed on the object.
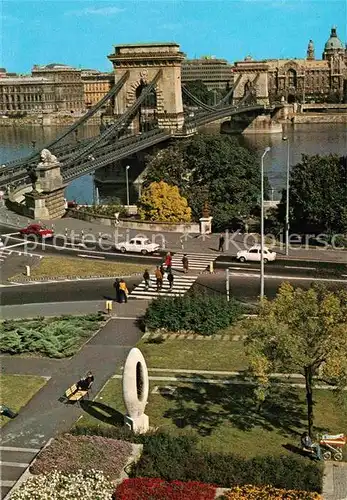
(142, 488)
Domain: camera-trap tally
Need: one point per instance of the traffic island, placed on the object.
(59, 268)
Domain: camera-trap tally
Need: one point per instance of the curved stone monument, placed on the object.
(135, 391)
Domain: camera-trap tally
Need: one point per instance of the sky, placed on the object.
(82, 33)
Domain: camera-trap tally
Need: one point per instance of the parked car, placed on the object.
(140, 245)
(37, 230)
(254, 255)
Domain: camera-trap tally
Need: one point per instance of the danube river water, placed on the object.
(303, 139)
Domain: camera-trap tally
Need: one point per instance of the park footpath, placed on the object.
(45, 416)
(187, 242)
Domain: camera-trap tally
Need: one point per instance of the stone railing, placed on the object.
(139, 225)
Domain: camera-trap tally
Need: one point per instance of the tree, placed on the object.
(301, 331)
(210, 168)
(163, 203)
(318, 195)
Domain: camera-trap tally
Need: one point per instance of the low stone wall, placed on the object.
(320, 118)
(18, 208)
(137, 224)
(45, 120)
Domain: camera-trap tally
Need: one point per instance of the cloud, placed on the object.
(96, 11)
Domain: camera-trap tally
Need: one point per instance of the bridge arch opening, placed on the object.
(147, 118)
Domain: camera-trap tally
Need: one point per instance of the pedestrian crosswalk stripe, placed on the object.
(197, 262)
(181, 285)
(4, 253)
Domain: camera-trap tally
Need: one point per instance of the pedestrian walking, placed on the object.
(147, 279)
(123, 291)
(170, 278)
(221, 243)
(168, 262)
(182, 242)
(116, 286)
(185, 263)
(162, 270)
(159, 278)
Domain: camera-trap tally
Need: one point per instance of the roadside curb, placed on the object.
(69, 278)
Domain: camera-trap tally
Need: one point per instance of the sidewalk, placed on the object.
(131, 309)
(192, 243)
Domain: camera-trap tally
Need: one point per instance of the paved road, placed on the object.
(172, 241)
(244, 285)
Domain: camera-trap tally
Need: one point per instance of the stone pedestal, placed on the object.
(138, 425)
(46, 200)
(205, 225)
(46, 206)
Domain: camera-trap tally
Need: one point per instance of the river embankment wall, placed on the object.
(320, 118)
(45, 121)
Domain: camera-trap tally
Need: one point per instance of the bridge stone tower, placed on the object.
(143, 61)
(251, 76)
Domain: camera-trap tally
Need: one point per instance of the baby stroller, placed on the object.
(331, 445)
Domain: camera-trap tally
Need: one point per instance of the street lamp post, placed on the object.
(127, 183)
(285, 138)
(266, 150)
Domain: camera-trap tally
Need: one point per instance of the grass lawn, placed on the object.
(219, 355)
(17, 390)
(52, 337)
(224, 417)
(65, 267)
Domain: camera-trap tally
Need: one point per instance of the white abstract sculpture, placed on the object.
(135, 391)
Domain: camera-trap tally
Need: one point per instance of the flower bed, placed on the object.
(92, 485)
(69, 453)
(157, 489)
(268, 493)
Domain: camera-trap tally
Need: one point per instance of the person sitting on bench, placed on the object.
(85, 383)
(308, 445)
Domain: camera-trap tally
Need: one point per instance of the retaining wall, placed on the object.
(137, 224)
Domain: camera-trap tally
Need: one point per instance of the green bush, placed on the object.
(53, 337)
(177, 458)
(195, 312)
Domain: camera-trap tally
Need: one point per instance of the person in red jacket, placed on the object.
(168, 262)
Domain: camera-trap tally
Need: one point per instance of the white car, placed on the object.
(254, 255)
(141, 245)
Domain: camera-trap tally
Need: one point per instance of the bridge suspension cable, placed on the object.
(113, 92)
(120, 124)
(196, 100)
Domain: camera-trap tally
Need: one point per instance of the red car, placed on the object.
(37, 230)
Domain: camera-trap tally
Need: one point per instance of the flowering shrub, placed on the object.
(70, 453)
(158, 489)
(91, 485)
(268, 492)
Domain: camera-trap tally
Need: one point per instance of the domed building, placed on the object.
(297, 80)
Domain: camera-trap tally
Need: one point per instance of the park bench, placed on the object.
(73, 395)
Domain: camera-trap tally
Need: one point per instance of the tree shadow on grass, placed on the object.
(103, 412)
(204, 407)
